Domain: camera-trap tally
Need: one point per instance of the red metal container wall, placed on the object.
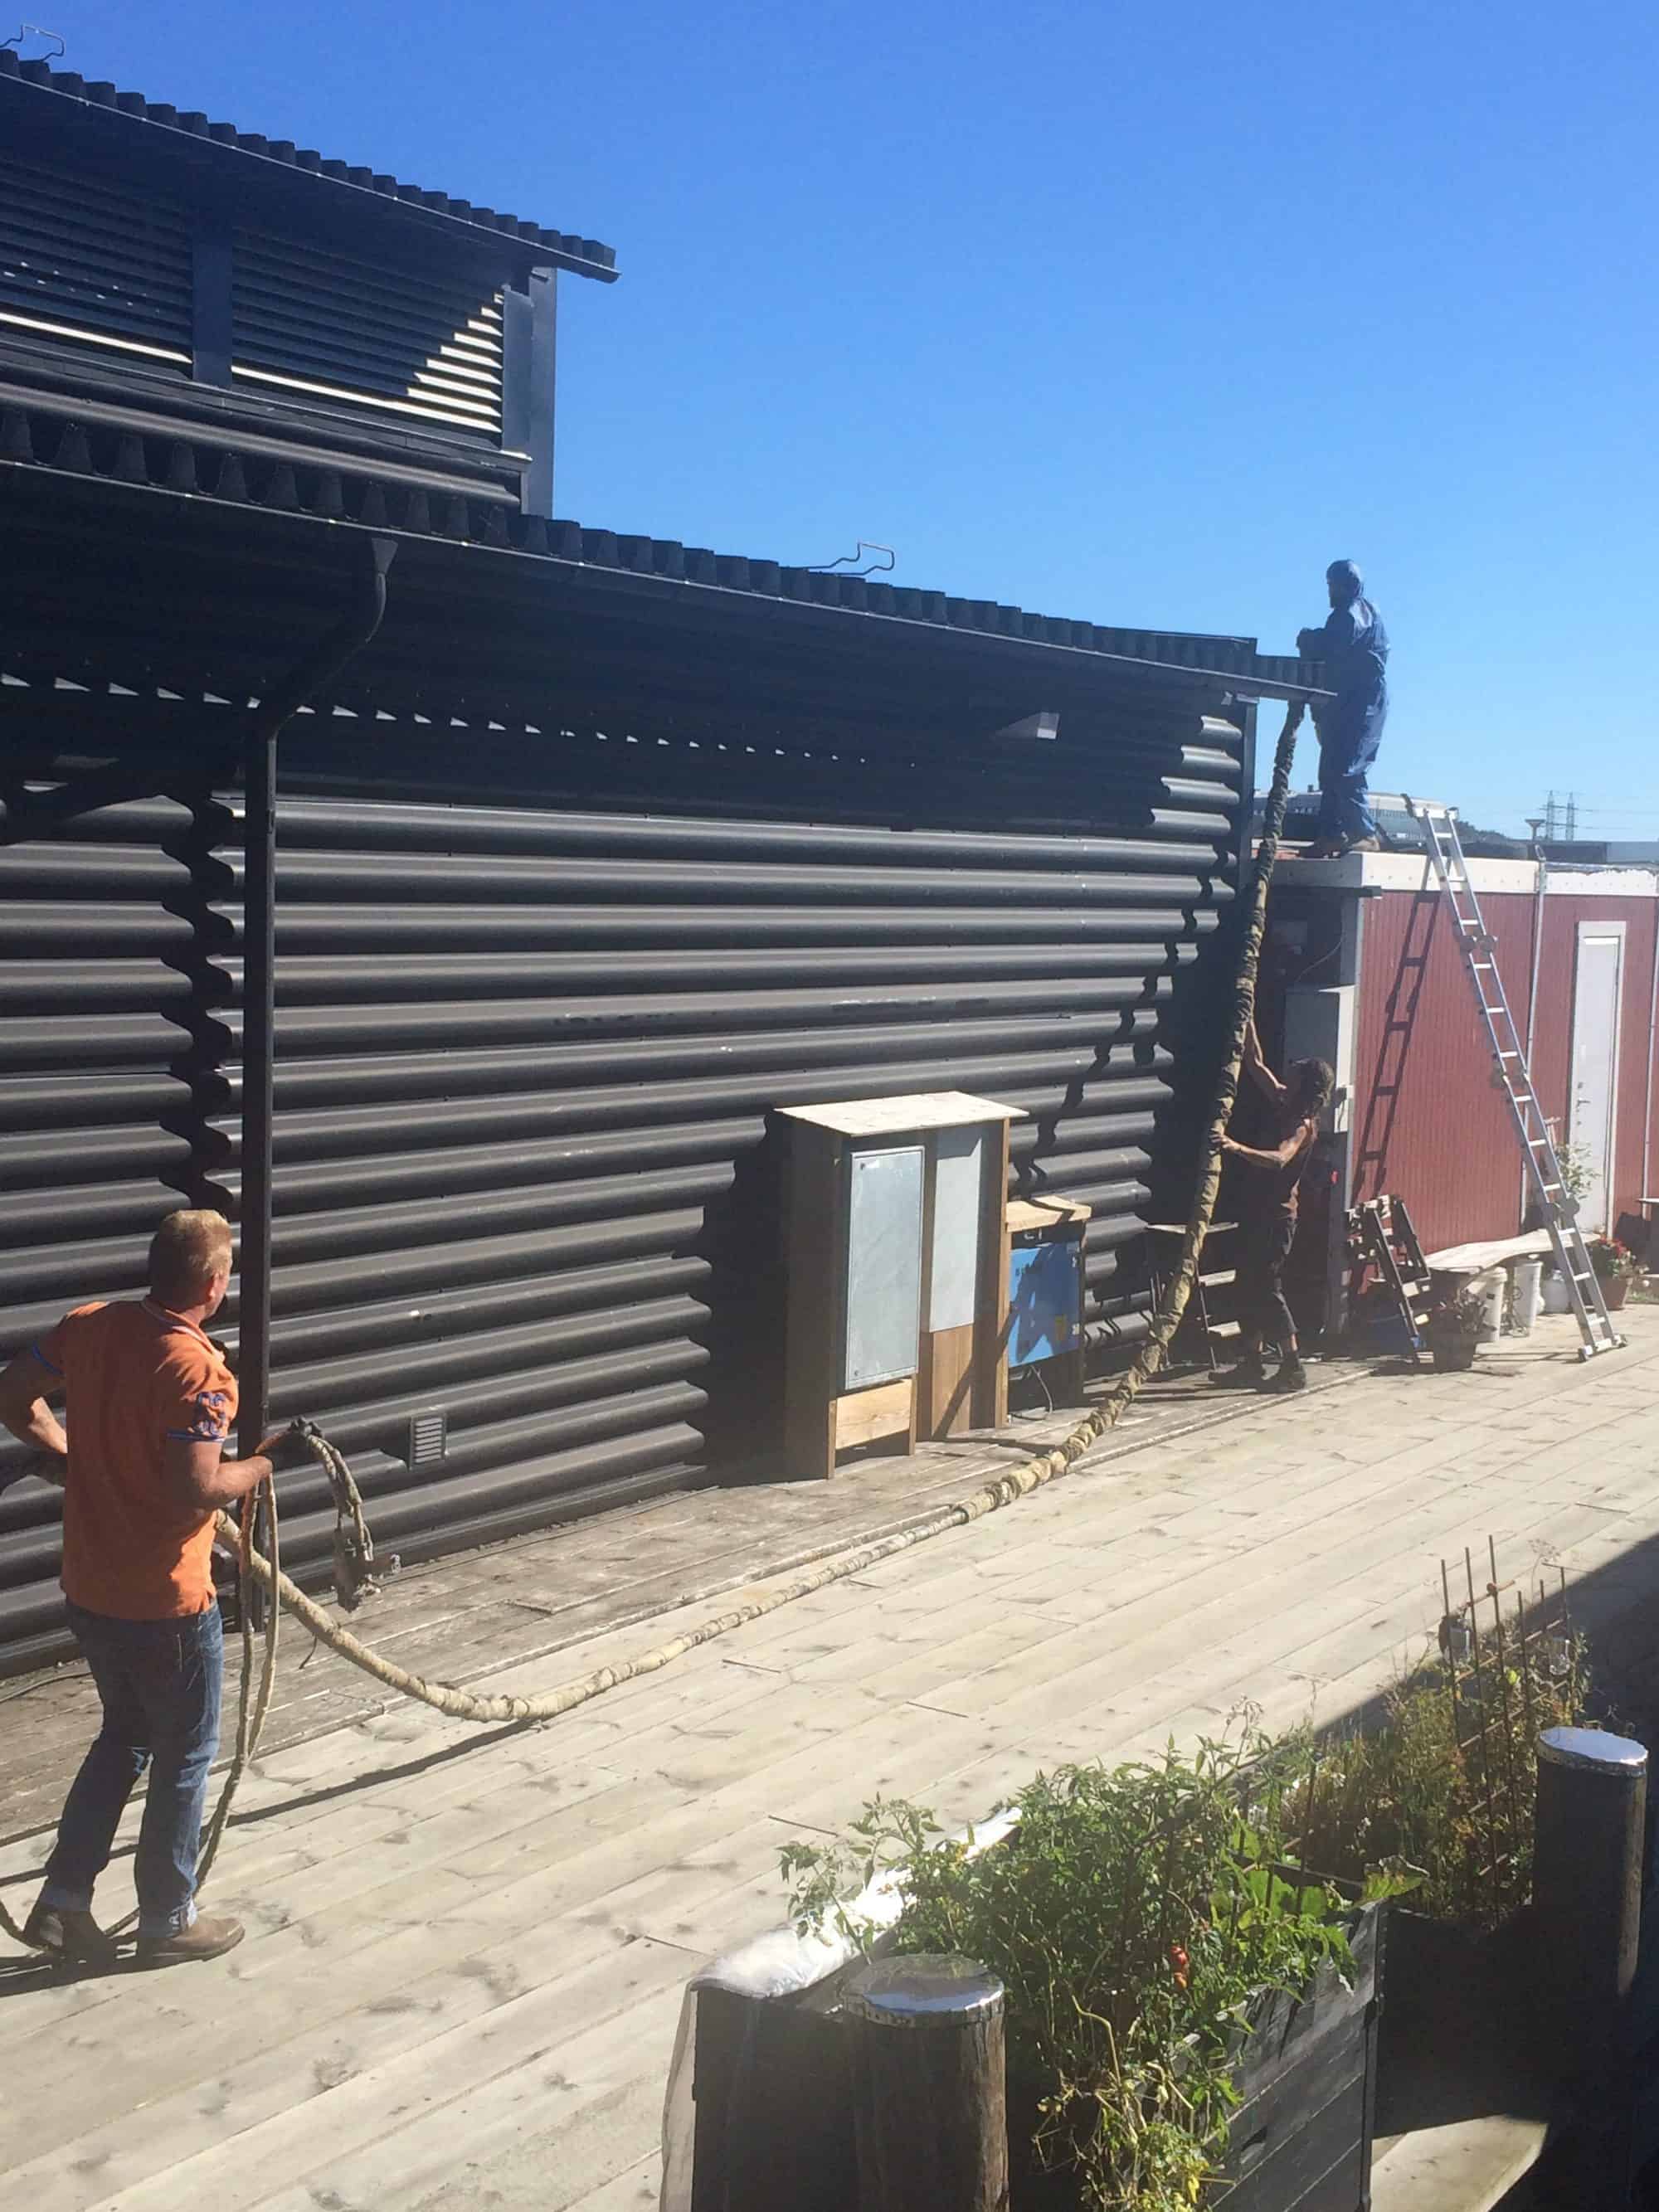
(1552, 1049)
(1428, 1124)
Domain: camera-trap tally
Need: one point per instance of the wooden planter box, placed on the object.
(774, 2103)
(1308, 2074)
(1465, 2030)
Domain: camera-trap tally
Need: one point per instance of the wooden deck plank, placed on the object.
(465, 1971)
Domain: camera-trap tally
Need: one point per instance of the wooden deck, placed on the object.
(467, 1616)
(467, 1949)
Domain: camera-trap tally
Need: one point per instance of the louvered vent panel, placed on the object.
(337, 329)
(91, 262)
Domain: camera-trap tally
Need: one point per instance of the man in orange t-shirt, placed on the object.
(150, 1403)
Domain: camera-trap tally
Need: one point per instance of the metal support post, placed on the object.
(928, 2086)
(1587, 1897)
(313, 674)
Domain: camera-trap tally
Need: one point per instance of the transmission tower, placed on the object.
(1561, 817)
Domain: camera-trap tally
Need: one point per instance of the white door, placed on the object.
(1591, 1120)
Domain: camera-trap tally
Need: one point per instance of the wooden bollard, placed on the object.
(928, 2086)
(1586, 1902)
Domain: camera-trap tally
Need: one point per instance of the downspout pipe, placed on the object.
(1646, 1191)
(266, 725)
(1539, 893)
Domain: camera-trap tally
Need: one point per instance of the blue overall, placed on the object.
(1354, 647)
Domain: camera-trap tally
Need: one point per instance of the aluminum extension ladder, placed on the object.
(1537, 1147)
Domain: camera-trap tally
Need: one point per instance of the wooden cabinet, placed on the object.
(897, 1272)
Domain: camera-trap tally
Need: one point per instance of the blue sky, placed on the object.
(1137, 314)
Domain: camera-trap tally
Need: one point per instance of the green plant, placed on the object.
(1444, 1787)
(1459, 1315)
(1136, 1917)
(1609, 1258)
(1577, 1168)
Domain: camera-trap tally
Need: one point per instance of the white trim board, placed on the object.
(1414, 871)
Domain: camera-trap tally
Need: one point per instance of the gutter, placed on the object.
(1245, 685)
(1540, 892)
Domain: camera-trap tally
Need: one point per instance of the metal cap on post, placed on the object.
(929, 2087)
(1587, 1898)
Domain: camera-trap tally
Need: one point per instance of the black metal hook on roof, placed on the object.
(36, 31)
(865, 545)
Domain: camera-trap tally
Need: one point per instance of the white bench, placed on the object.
(1475, 1258)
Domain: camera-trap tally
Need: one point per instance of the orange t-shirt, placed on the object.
(132, 1376)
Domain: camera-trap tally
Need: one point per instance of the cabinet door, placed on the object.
(882, 1313)
(959, 1205)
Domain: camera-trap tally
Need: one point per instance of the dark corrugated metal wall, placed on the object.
(525, 1055)
(108, 1040)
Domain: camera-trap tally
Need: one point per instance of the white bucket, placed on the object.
(1489, 1289)
(1529, 1295)
(1557, 1298)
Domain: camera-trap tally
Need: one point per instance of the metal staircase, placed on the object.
(1537, 1147)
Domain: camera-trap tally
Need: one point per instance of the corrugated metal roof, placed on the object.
(215, 472)
(585, 256)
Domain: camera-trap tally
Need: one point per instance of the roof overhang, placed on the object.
(119, 584)
(50, 110)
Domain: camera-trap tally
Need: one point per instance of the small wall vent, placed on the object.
(429, 1438)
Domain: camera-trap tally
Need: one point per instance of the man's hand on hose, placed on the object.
(284, 1447)
(211, 1482)
(202, 1479)
(1254, 1066)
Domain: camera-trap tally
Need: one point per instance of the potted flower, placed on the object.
(1615, 1265)
(1455, 1330)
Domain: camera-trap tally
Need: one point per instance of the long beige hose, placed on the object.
(1043, 1467)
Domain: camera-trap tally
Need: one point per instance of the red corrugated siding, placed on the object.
(1553, 1049)
(1445, 1142)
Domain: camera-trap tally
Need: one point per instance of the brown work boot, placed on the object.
(207, 1937)
(74, 1939)
(1249, 1375)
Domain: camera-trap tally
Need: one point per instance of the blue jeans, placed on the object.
(1346, 753)
(159, 1682)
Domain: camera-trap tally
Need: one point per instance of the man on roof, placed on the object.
(1353, 646)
